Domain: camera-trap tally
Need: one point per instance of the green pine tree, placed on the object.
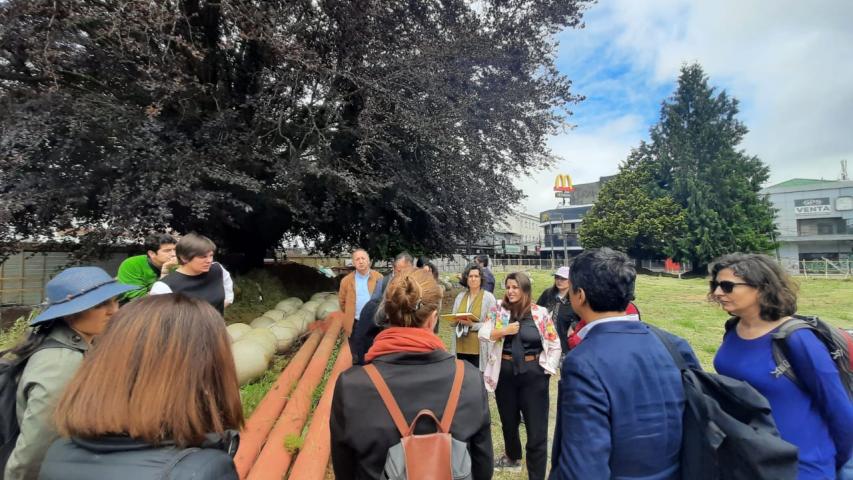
(690, 193)
(695, 147)
(629, 216)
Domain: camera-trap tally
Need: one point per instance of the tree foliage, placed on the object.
(358, 122)
(693, 159)
(628, 216)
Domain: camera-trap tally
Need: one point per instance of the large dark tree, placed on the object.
(346, 122)
(694, 159)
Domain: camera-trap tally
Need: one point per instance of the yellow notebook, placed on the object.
(454, 317)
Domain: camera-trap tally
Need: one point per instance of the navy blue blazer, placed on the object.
(620, 406)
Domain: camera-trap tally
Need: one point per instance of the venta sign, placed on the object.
(812, 206)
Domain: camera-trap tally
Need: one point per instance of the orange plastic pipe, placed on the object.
(258, 426)
(274, 459)
(313, 459)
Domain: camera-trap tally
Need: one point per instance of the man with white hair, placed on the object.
(356, 288)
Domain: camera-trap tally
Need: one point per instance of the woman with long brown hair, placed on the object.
(523, 353)
(157, 398)
(419, 372)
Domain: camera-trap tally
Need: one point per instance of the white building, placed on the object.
(516, 234)
(814, 219)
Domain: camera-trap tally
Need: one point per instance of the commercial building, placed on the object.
(515, 235)
(560, 225)
(814, 220)
(560, 228)
(587, 193)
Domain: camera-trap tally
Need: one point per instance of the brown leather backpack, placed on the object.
(433, 456)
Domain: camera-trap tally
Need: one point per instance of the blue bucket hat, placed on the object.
(77, 289)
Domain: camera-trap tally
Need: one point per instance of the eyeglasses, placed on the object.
(726, 286)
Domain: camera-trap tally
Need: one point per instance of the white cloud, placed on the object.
(789, 62)
(586, 154)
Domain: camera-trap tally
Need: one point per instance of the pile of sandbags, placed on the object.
(255, 344)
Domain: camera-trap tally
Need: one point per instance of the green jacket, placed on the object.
(42, 382)
(137, 271)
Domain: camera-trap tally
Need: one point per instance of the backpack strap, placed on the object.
(731, 323)
(19, 363)
(779, 346)
(387, 398)
(394, 408)
(453, 398)
(51, 343)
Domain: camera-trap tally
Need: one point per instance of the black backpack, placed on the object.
(728, 431)
(10, 374)
(838, 342)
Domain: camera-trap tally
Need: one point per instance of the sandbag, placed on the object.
(307, 317)
(286, 307)
(320, 296)
(265, 338)
(262, 322)
(276, 315)
(249, 359)
(325, 309)
(301, 318)
(311, 306)
(294, 301)
(295, 329)
(237, 330)
(285, 336)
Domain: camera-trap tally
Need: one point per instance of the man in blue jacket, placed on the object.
(620, 398)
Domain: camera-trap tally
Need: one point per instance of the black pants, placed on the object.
(471, 358)
(525, 394)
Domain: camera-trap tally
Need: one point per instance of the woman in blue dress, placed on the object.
(817, 415)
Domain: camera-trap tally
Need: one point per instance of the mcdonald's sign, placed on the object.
(563, 183)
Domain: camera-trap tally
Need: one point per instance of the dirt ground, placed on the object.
(8, 315)
(302, 281)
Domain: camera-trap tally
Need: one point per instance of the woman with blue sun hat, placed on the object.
(79, 304)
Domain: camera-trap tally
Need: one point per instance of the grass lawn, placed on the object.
(681, 307)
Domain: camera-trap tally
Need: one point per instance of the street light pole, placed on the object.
(551, 235)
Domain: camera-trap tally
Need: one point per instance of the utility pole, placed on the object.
(552, 246)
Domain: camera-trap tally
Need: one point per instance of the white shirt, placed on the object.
(623, 318)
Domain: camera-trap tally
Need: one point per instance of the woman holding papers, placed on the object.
(476, 303)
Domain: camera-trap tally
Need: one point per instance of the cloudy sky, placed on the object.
(790, 63)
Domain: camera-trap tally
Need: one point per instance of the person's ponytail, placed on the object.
(411, 298)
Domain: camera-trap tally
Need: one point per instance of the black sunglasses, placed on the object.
(726, 286)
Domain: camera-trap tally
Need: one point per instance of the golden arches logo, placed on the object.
(563, 183)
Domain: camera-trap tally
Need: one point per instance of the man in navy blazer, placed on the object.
(620, 399)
